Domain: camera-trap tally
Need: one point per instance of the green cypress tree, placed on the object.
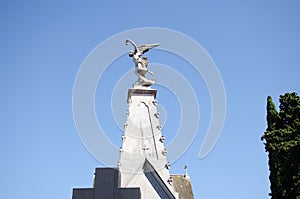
(271, 138)
(282, 142)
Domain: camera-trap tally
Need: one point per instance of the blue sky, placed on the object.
(255, 45)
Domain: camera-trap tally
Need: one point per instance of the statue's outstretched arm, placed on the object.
(130, 41)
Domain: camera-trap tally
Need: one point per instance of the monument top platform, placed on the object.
(141, 91)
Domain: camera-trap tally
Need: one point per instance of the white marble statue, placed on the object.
(141, 63)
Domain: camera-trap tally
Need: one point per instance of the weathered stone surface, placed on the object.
(183, 186)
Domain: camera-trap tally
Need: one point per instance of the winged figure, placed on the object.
(141, 63)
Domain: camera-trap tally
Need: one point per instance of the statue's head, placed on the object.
(131, 53)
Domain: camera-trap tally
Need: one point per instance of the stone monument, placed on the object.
(143, 169)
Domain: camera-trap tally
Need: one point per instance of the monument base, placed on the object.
(106, 186)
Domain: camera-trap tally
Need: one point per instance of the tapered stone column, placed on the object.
(143, 156)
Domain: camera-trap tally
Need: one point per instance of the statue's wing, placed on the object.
(146, 47)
